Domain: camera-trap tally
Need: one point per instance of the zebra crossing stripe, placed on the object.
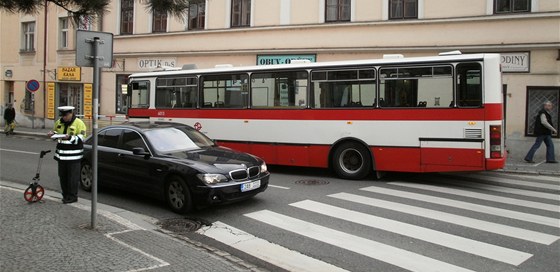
(501, 189)
(275, 254)
(543, 220)
(385, 253)
(474, 247)
(505, 230)
(516, 182)
(536, 178)
(494, 198)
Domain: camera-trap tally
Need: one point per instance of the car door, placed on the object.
(142, 173)
(107, 150)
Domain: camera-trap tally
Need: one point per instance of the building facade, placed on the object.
(42, 46)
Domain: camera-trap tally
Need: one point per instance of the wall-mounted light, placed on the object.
(8, 73)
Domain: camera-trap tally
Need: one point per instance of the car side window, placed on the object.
(110, 138)
(132, 139)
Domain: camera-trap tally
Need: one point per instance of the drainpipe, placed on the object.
(44, 71)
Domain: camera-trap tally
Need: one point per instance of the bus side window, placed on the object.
(469, 85)
(225, 91)
(353, 88)
(139, 94)
(279, 89)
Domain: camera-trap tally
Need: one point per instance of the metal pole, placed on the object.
(96, 70)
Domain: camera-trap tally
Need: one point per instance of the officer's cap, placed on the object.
(65, 109)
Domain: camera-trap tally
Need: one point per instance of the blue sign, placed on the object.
(32, 85)
(283, 59)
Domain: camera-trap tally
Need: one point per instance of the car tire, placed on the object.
(86, 177)
(351, 160)
(177, 195)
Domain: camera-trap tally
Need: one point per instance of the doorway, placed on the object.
(71, 95)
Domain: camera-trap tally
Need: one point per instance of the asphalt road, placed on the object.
(310, 220)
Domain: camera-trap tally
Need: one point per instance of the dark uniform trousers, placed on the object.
(69, 174)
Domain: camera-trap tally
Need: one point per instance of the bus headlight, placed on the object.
(212, 178)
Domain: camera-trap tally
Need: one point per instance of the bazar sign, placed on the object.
(69, 73)
(515, 62)
(154, 63)
(283, 59)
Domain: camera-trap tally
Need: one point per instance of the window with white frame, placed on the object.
(197, 15)
(337, 10)
(28, 36)
(86, 22)
(403, 9)
(63, 38)
(512, 6)
(240, 13)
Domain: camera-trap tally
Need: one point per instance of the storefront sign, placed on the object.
(88, 100)
(155, 63)
(282, 59)
(69, 74)
(50, 100)
(517, 62)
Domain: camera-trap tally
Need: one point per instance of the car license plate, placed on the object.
(250, 186)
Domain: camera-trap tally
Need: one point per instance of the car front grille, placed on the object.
(242, 174)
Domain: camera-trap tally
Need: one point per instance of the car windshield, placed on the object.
(173, 139)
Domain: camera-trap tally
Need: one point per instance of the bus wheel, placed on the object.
(351, 161)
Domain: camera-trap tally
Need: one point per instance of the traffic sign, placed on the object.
(32, 85)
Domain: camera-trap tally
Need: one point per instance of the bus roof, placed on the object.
(311, 65)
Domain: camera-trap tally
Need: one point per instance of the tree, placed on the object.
(79, 8)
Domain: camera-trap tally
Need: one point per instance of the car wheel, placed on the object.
(86, 177)
(178, 195)
(351, 161)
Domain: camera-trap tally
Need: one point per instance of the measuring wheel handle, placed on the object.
(34, 193)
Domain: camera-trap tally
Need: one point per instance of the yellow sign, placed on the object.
(69, 73)
(88, 108)
(50, 100)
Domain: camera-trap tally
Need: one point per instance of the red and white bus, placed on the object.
(424, 114)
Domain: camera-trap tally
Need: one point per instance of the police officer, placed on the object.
(69, 131)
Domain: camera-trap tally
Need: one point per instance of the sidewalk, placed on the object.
(513, 164)
(51, 236)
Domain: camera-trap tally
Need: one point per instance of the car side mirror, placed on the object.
(140, 151)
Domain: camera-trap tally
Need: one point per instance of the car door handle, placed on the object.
(121, 155)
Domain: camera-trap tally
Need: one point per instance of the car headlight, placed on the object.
(212, 178)
(264, 169)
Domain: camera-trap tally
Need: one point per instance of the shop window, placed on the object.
(337, 10)
(197, 15)
(279, 89)
(28, 37)
(536, 97)
(159, 21)
(511, 6)
(120, 99)
(403, 9)
(127, 16)
(240, 13)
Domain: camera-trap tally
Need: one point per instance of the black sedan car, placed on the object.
(172, 162)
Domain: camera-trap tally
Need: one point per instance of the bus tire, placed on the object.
(351, 160)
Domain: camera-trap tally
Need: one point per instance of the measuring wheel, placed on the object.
(34, 193)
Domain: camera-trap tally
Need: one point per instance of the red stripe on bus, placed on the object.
(488, 112)
(395, 159)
